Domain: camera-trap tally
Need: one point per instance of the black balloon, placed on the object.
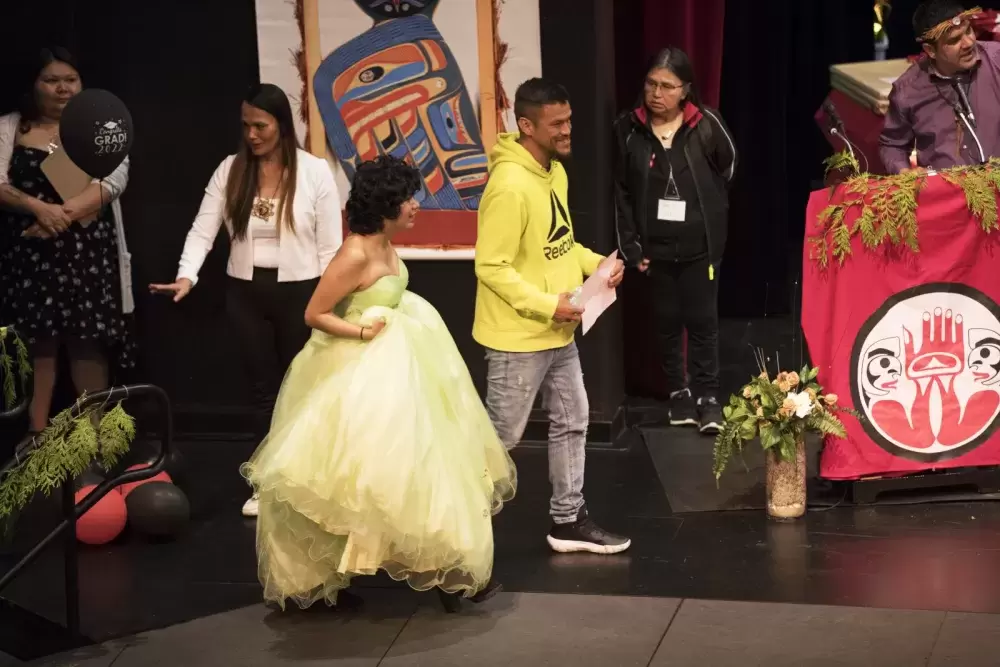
(96, 132)
(158, 509)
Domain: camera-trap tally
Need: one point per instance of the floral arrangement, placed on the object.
(779, 411)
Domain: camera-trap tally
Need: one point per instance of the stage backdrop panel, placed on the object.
(408, 78)
(909, 339)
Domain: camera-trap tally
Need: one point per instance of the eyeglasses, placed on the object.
(656, 86)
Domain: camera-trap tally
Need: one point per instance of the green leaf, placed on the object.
(767, 401)
(769, 435)
(748, 429)
(787, 447)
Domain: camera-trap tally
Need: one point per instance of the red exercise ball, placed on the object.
(128, 488)
(104, 521)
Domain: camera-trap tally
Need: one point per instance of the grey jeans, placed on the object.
(514, 379)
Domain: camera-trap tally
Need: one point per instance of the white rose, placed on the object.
(803, 404)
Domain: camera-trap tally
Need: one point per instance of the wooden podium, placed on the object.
(860, 95)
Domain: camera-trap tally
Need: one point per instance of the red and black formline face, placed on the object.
(384, 10)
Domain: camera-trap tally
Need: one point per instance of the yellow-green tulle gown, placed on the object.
(380, 456)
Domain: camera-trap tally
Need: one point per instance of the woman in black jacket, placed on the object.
(675, 160)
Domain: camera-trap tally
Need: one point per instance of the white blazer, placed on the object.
(114, 185)
(301, 256)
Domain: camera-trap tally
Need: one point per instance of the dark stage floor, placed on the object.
(939, 557)
(933, 557)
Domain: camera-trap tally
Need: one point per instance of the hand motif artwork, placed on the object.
(927, 393)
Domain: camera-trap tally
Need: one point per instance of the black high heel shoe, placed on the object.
(491, 588)
(451, 602)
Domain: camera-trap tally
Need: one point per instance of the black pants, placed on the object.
(269, 321)
(685, 298)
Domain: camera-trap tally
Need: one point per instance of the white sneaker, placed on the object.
(250, 506)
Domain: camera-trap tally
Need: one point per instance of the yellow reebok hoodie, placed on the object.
(526, 255)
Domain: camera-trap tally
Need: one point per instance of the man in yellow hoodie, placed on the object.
(528, 263)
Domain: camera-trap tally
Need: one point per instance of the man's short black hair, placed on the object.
(932, 12)
(535, 93)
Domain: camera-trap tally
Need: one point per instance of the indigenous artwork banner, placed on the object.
(908, 335)
(423, 80)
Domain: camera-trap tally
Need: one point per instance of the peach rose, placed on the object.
(787, 408)
(831, 399)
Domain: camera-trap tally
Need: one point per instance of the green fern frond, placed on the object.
(842, 160)
(9, 389)
(64, 450)
(887, 209)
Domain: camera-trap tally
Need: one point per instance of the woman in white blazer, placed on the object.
(281, 210)
(65, 272)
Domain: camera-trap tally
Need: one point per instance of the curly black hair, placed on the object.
(380, 188)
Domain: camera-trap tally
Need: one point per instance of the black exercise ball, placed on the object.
(158, 509)
(96, 131)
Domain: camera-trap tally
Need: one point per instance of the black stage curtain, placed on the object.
(899, 25)
(182, 70)
(774, 77)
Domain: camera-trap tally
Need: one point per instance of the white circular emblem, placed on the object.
(926, 371)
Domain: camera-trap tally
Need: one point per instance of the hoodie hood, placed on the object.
(507, 149)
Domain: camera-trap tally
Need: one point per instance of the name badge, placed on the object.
(671, 210)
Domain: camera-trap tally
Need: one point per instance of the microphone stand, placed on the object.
(836, 129)
(963, 110)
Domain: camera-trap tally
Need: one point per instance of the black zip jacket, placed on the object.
(711, 155)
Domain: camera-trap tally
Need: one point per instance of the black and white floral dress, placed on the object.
(68, 286)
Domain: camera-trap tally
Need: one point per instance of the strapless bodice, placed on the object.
(386, 292)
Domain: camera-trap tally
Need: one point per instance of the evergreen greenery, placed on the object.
(7, 361)
(887, 207)
(64, 450)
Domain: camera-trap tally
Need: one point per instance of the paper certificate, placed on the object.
(595, 295)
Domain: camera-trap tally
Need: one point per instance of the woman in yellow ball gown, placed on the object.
(380, 453)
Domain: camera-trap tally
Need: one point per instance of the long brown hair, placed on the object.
(241, 188)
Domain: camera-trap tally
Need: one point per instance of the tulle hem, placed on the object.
(310, 546)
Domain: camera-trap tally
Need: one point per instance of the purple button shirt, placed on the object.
(922, 114)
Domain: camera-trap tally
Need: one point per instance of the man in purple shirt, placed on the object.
(947, 104)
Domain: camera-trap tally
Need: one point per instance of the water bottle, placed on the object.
(575, 297)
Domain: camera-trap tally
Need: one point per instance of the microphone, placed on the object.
(970, 123)
(837, 129)
(831, 113)
(964, 100)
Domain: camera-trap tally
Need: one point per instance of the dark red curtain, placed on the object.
(696, 26)
(643, 27)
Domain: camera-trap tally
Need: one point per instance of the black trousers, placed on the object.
(269, 321)
(685, 298)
